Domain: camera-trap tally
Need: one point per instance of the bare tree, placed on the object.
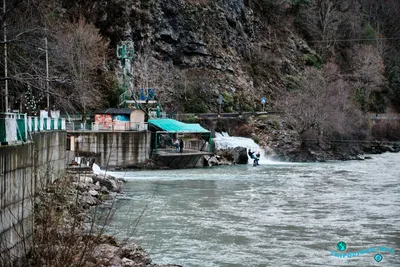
(149, 72)
(79, 58)
(321, 104)
(325, 21)
(368, 74)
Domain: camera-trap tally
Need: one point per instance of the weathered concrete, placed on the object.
(187, 159)
(24, 169)
(113, 149)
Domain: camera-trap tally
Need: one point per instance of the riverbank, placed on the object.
(283, 143)
(66, 228)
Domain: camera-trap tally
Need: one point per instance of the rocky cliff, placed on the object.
(193, 51)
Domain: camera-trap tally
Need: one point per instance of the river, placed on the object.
(274, 214)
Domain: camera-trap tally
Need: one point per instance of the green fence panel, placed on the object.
(44, 124)
(51, 124)
(33, 125)
(3, 130)
(59, 124)
(21, 136)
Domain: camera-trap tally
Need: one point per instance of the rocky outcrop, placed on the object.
(237, 155)
(230, 156)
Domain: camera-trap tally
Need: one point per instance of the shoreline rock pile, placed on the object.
(66, 231)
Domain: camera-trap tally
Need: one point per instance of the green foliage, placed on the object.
(191, 118)
(228, 102)
(360, 98)
(275, 125)
(369, 32)
(297, 4)
(113, 93)
(256, 139)
(378, 103)
(300, 2)
(292, 83)
(195, 105)
(313, 60)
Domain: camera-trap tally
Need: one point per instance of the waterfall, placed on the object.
(224, 141)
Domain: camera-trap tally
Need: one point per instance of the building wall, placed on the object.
(24, 169)
(137, 120)
(113, 149)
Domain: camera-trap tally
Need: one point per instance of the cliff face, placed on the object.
(192, 51)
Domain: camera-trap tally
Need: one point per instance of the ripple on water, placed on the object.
(272, 215)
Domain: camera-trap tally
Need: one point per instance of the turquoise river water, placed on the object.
(276, 214)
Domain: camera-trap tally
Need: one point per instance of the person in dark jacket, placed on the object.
(181, 146)
(255, 157)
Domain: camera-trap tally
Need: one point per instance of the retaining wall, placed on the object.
(24, 169)
(112, 149)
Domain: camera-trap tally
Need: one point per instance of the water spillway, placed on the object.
(224, 141)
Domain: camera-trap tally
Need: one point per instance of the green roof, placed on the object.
(170, 125)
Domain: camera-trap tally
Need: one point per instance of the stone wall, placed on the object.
(24, 169)
(113, 149)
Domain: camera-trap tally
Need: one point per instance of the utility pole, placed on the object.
(5, 56)
(47, 78)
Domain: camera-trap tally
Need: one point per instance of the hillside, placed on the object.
(324, 63)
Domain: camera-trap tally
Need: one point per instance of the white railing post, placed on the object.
(30, 124)
(26, 125)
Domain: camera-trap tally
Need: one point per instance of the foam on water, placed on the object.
(96, 169)
(224, 141)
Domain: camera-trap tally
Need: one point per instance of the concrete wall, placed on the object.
(113, 149)
(24, 169)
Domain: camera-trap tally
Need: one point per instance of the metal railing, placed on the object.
(107, 127)
(17, 127)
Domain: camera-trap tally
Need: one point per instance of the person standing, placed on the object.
(181, 146)
(176, 144)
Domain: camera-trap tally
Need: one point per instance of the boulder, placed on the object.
(210, 161)
(87, 199)
(237, 155)
(93, 193)
(111, 183)
(107, 255)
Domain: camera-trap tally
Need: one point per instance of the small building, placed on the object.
(196, 141)
(119, 119)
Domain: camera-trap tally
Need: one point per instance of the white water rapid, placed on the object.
(224, 141)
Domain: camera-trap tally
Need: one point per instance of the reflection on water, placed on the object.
(270, 215)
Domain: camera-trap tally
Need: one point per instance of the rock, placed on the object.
(136, 254)
(211, 161)
(97, 186)
(237, 155)
(93, 193)
(128, 263)
(87, 199)
(109, 182)
(107, 255)
(104, 190)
